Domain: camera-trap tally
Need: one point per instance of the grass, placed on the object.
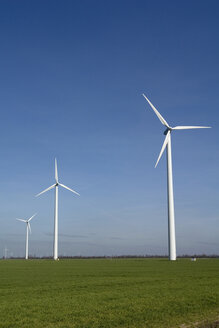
(105, 293)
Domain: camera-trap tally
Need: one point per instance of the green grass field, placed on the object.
(107, 293)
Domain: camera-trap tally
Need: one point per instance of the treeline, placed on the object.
(118, 257)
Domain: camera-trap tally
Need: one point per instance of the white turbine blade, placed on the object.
(69, 189)
(190, 127)
(21, 220)
(29, 226)
(163, 147)
(56, 171)
(157, 113)
(45, 190)
(31, 217)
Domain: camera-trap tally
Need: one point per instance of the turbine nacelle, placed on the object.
(166, 131)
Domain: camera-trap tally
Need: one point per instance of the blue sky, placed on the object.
(72, 75)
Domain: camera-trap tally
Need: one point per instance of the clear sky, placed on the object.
(72, 75)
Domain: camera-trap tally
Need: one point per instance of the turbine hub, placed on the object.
(165, 132)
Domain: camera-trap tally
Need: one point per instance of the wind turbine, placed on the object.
(56, 185)
(6, 252)
(167, 145)
(27, 232)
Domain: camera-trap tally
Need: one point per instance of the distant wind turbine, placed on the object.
(55, 185)
(167, 145)
(28, 229)
(6, 252)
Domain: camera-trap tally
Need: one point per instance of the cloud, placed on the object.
(209, 243)
(66, 235)
(116, 238)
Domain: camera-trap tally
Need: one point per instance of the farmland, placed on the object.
(108, 293)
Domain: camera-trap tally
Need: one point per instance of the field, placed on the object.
(108, 293)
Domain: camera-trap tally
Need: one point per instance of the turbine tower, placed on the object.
(56, 185)
(27, 232)
(167, 145)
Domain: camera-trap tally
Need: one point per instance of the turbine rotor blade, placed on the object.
(56, 171)
(190, 127)
(157, 113)
(163, 147)
(45, 190)
(28, 224)
(31, 217)
(60, 184)
(21, 220)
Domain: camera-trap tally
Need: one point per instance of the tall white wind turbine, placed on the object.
(167, 145)
(27, 232)
(56, 185)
